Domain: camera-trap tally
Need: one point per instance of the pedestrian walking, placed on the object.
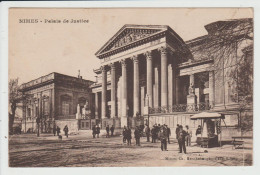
(107, 129)
(112, 130)
(128, 135)
(137, 136)
(66, 131)
(94, 131)
(54, 129)
(168, 133)
(124, 134)
(181, 139)
(189, 135)
(147, 132)
(163, 138)
(97, 130)
(58, 130)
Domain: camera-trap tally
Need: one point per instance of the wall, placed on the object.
(72, 125)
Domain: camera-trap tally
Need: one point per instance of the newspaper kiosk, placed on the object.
(211, 129)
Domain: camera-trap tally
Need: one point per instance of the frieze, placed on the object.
(40, 89)
(129, 36)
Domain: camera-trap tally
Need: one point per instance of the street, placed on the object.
(82, 150)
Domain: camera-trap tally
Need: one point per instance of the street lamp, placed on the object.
(147, 104)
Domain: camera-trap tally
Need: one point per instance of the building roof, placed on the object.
(51, 78)
(132, 34)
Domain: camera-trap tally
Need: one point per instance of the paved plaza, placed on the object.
(82, 150)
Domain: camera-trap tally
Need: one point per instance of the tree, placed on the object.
(15, 97)
(233, 67)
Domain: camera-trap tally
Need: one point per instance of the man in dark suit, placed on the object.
(181, 139)
(94, 131)
(112, 130)
(147, 132)
(107, 129)
(137, 136)
(168, 133)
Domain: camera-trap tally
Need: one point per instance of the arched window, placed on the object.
(65, 104)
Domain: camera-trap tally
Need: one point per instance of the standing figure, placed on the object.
(153, 131)
(189, 135)
(58, 130)
(163, 138)
(168, 130)
(177, 131)
(97, 130)
(124, 134)
(112, 130)
(181, 139)
(147, 132)
(94, 131)
(198, 131)
(128, 135)
(107, 129)
(54, 129)
(137, 136)
(66, 131)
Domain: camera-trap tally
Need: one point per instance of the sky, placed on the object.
(37, 49)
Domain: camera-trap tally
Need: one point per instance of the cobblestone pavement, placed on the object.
(83, 151)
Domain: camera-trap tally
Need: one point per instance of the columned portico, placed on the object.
(164, 79)
(113, 90)
(96, 105)
(149, 79)
(124, 94)
(104, 92)
(136, 85)
(152, 72)
(211, 88)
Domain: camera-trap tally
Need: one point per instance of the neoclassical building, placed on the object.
(56, 98)
(149, 68)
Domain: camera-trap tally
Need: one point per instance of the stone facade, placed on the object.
(54, 98)
(150, 68)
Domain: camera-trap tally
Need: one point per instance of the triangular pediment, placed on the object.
(130, 34)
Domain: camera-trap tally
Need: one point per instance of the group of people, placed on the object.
(95, 131)
(56, 129)
(162, 133)
(127, 135)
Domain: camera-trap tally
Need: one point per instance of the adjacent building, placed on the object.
(57, 98)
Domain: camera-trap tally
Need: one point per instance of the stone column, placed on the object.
(124, 94)
(211, 88)
(191, 80)
(170, 85)
(136, 85)
(104, 93)
(96, 105)
(113, 90)
(177, 80)
(156, 87)
(164, 79)
(149, 78)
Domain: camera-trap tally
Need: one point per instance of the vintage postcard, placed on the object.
(130, 87)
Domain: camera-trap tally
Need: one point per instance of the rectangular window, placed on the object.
(65, 108)
(46, 107)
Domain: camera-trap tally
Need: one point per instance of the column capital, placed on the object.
(123, 62)
(163, 50)
(103, 68)
(112, 66)
(148, 55)
(135, 59)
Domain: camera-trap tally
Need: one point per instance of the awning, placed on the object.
(207, 115)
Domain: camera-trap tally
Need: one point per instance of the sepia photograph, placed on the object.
(130, 87)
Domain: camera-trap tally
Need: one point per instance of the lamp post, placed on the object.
(148, 111)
